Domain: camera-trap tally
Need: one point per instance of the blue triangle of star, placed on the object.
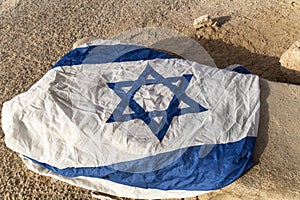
(159, 129)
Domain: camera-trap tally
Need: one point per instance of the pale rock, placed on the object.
(204, 21)
(290, 63)
(276, 173)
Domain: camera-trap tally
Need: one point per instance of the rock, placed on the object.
(295, 4)
(290, 63)
(204, 21)
(276, 173)
(291, 58)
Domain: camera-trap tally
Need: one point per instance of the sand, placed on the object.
(35, 34)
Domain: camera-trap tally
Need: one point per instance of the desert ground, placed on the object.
(34, 34)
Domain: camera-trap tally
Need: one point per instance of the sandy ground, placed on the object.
(34, 34)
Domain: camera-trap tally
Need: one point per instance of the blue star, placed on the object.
(127, 99)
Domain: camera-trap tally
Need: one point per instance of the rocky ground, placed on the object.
(34, 34)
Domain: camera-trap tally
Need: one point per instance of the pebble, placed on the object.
(290, 63)
(204, 21)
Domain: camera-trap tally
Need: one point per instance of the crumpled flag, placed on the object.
(136, 122)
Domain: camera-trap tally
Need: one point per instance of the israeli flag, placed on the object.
(136, 122)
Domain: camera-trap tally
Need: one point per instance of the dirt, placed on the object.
(34, 34)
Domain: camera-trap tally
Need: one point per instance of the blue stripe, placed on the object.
(241, 70)
(220, 167)
(77, 56)
(143, 54)
(74, 57)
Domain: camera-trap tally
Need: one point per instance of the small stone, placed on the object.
(293, 3)
(215, 24)
(290, 63)
(203, 21)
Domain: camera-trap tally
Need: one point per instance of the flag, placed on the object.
(132, 121)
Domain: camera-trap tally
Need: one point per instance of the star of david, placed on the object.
(159, 129)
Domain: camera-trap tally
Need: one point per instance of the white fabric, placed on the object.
(62, 119)
(87, 104)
